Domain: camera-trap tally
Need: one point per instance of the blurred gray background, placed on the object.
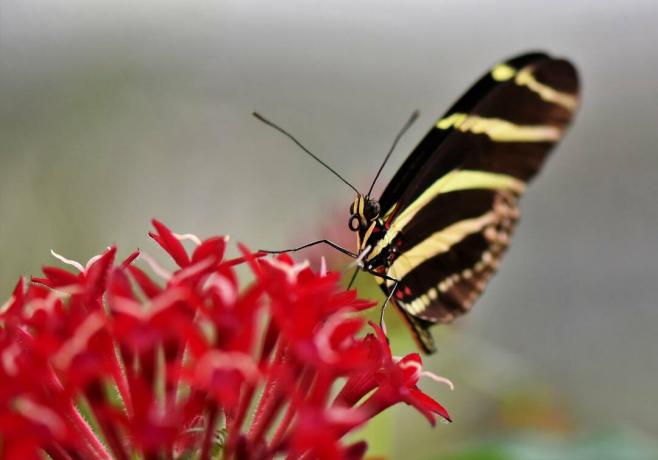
(113, 112)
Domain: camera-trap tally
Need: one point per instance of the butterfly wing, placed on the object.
(452, 206)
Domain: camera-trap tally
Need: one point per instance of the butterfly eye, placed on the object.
(372, 210)
(354, 223)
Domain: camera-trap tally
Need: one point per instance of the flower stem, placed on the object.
(206, 446)
(272, 399)
(304, 382)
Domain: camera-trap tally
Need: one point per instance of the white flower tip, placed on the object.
(92, 260)
(323, 267)
(63, 259)
(9, 358)
(5, 306)
(40, 414)
(156, 267)
(189, 237)
(291, 271)
(223, 287)
(78, 341)
(438, 378)
(215, 360)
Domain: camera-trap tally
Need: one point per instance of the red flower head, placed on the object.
(170, 368)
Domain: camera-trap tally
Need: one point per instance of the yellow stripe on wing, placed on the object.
(525, 77)
(438, 243)
(500, 130)
(451, 182)
(502, 72)
(547, 93)
(454, 181)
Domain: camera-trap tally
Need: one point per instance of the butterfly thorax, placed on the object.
(369, 229)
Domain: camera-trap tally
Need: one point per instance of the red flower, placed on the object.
(171, 369)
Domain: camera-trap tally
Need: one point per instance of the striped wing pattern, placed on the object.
(452, 207)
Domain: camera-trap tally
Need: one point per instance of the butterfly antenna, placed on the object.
(292, 138)
(407, 125)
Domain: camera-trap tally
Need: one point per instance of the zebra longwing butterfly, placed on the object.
(436, 235)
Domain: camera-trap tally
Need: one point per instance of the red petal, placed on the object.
(285, 258)
(356, 387)
(382, 340)
(96, 274)
(120, 284)
(18, 294)
(212, 247)
(19, 290)
(349, 298)
(345, 330)
(356, 451)
(60, 277)
(43, 281)
(147, 284)
(250, 258)
(170, 244)
(130, 259)
(424, 403)
(411, 367)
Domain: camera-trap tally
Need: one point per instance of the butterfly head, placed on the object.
(364, 213)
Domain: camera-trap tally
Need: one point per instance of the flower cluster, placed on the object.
(104, 362)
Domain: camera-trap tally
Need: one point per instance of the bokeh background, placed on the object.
(113, 112)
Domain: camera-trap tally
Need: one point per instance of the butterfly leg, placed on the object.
(393, 290)
(388, 298)
(330, 243)
(353, 278)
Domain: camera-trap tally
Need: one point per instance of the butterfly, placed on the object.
(437, 233)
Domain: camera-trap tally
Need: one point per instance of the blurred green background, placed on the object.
(113, 112)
